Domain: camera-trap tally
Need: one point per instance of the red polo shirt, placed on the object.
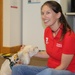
(55, 48)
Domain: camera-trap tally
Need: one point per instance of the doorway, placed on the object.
(1, 24)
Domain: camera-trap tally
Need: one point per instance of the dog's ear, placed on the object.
(22, 47)
(14, 56)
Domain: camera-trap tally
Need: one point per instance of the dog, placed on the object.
(23, 56)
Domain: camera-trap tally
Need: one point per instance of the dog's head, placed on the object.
(26, 53)
(15, 58)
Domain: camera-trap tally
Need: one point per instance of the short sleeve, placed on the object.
(69, 44)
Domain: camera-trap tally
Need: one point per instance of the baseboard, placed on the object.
(13, 49)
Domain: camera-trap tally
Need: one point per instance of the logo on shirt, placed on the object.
(47, 40)
(59, 45)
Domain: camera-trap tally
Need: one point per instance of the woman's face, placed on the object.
(49, 17)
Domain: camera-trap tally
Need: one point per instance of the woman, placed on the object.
(59, 40)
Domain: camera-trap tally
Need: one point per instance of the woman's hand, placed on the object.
(42, 54)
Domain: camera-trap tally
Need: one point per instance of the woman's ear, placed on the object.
(58, 15)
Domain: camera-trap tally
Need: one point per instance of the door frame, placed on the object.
(1, 25)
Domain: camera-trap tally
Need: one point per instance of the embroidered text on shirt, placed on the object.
(59, 45)
(47, 40)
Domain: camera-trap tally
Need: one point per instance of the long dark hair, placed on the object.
(55, 6)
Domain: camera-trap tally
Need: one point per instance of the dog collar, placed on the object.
(13, 63)
(16, 58)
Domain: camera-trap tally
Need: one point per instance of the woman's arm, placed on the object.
(65, 61)
(42, 54)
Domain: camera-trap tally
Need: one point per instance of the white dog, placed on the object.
(22, 56)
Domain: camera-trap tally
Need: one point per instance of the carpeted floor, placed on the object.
(38, 61)
(1, 61)
(34, 61)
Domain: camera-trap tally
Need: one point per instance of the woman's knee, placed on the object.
(18, 69)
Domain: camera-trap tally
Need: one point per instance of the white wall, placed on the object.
(6, 22)
(15, 22)
(32, 24)
(11, 24)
